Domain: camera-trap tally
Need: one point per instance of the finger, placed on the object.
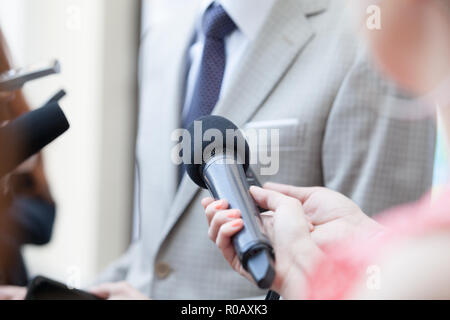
(206, 202)
(20, 293)
(103, 291)
(226, 232)
(220, 218)
(310, 222)
(267, 221)
(213, 207)
(100, 293)
(270, 199)
(300, 193)
(117, 290)
(8, 292)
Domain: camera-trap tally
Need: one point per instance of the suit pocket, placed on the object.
(290, 133)
(274, 144)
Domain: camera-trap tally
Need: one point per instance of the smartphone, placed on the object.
(15, 79)
(42, 288)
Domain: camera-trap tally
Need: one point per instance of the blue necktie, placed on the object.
(216, 26)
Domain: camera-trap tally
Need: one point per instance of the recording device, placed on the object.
(15, 79)
(42, 288)
(28, 134)
(222, 170)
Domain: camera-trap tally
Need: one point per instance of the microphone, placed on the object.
(28, 134)
(220, 166)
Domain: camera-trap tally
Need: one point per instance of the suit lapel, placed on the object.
(281, 39)
(285, 33)
(186, 192)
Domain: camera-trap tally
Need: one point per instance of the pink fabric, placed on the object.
(345, 263)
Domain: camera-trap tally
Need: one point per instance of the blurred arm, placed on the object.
(118, 270)
(415, 269)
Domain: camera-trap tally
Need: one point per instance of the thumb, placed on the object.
(268, 199)
(103, 290)
(300, 193)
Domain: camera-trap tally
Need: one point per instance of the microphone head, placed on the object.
(28, 134)
(210, 137)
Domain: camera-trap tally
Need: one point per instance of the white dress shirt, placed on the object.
(249, 16)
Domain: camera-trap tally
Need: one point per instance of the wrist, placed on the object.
(371, 228)
(294, 282)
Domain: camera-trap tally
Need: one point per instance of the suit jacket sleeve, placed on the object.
(118, 270)
(378, 146)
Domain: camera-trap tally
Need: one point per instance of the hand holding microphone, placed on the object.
(287, 227)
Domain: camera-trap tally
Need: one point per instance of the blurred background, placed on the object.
(90, 169)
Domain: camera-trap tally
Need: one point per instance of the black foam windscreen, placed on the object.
(28, 134)
(233, 143)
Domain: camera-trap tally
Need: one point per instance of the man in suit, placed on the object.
(293, 65)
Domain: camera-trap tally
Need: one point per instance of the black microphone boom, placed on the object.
(222, 171)
(28, 134)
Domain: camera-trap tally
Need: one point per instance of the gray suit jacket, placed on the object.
(308, 71)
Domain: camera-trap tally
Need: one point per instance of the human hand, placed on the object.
(12, 293)
(334, 216)
(286, 226)
(223, 225)
(117, 291)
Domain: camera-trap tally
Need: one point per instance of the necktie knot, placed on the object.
(216, 23)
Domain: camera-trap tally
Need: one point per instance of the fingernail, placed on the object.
(219, 205)
(237, 224)
(234, 215)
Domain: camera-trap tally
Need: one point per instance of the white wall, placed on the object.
(90, 169)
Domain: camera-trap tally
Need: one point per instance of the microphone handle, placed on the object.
(253, 180)
(226, 179)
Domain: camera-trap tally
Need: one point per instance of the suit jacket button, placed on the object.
(162, 270)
